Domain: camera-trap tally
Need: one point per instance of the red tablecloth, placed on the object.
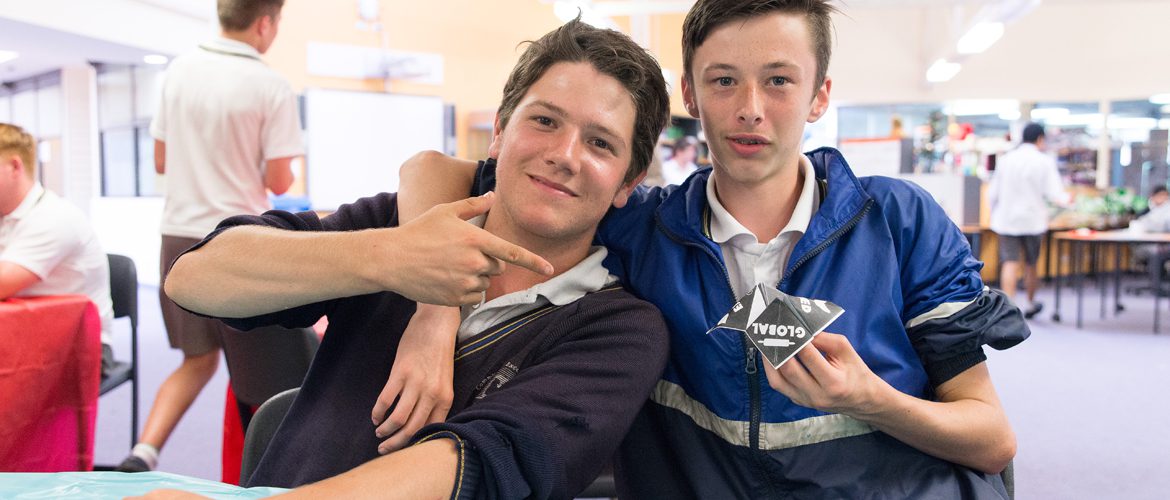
(50, 369)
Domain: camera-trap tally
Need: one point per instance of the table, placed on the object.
(116, 485)
(50, 369)
(1078, 240)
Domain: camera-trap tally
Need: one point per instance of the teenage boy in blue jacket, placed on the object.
(898, 401)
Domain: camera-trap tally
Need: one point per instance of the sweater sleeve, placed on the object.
(548, 432)
(366, 213)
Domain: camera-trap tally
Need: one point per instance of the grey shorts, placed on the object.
(194, 335)
(1010, 248)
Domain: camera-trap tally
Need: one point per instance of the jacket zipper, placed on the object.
(828, 241)
(749, 350)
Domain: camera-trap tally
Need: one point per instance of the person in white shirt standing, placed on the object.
(47, 246)
(226, 132)
(1024, 184)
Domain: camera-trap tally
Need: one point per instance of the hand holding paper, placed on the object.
(830, 377)
(778, 324)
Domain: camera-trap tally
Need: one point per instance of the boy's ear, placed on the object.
(688, 96)
(494, 147)
(623, 194)
(820, 101)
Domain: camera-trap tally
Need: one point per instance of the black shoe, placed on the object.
(132, 464)
(1036, 308)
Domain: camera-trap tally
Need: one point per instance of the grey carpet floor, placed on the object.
(1089, 406)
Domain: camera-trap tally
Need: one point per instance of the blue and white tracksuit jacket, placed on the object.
(916, 311)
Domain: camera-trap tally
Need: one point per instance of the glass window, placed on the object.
(49, 111)
(119, 163)
(127, 98)
(24, 111)
(115, 103)
(5, 108)
(147, 178)
(147, 90)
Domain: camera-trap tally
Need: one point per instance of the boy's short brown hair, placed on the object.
(706, 15)
(611, 53)
(237, 15)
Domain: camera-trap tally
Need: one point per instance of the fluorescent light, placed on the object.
(8, 55)
(942, 71)
(980, 37)
(156, 59)
(1155, 99)
(1010, 116)
(1049, 113)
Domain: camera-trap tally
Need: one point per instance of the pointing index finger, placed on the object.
(508, 252)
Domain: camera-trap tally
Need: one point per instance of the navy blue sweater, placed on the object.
(541, 401)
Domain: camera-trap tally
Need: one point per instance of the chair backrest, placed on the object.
(124, 288)
(265, 361)
(260, 431)
(1009, 479)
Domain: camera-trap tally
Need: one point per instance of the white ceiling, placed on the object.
(44, 48)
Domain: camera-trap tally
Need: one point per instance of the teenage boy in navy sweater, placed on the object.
(549, 372)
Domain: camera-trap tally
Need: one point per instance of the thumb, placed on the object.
(471, 207)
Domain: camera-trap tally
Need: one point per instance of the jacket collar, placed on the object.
(682, 214)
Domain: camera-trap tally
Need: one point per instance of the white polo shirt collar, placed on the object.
(724, 227)
(26, 205)
(223, 45)
(587, 276)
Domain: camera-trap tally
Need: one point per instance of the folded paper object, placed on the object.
(778, 324)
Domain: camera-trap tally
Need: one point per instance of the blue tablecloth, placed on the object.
(103, 485)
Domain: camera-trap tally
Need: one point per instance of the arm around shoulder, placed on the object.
(432, 178)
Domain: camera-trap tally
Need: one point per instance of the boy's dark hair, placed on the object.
(1157, 190)
(611, 53)
(706, 15)
(238, 15)
(1033, 132)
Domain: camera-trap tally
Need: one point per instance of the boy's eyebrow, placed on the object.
(731, 67)
(613, 136)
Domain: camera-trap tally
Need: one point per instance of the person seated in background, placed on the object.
(549, 371)
(1156, 220)
(682, 160)
(47, 246)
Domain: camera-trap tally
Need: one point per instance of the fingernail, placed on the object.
(488, 194)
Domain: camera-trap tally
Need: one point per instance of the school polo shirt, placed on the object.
(223, 113)
(54, 240)
(748, 261)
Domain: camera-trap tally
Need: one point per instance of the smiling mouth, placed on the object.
(553, 186)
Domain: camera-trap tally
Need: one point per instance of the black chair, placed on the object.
(261, 429)
(1009, 479)
(266, 361)
(124, 293)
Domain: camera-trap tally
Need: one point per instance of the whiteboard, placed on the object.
(356, 141)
